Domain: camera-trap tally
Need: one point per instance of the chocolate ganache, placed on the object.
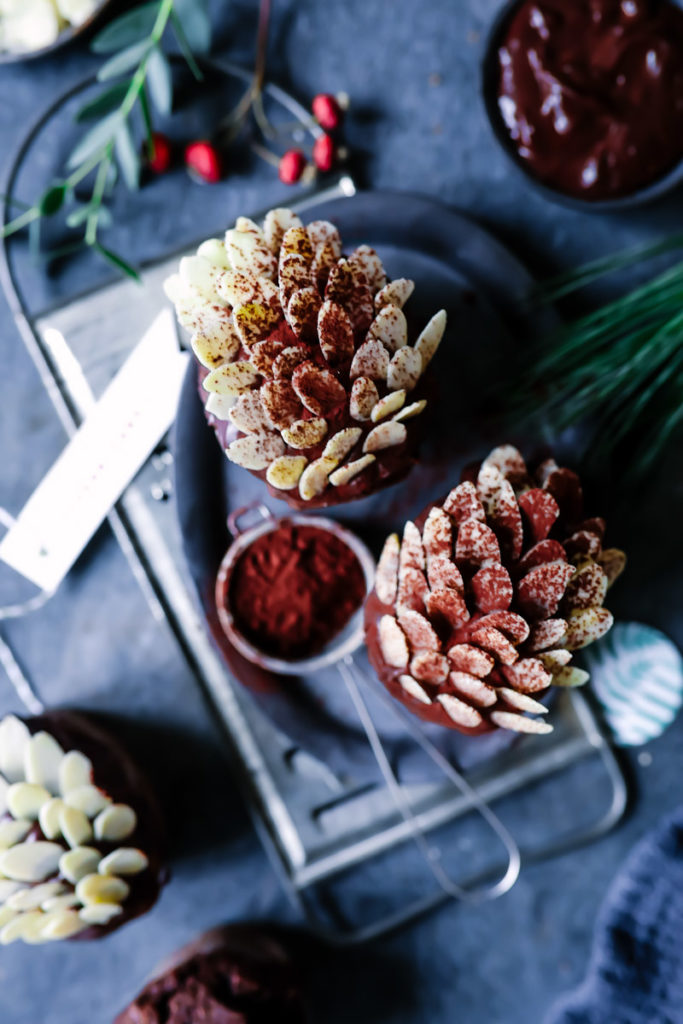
(591, 92)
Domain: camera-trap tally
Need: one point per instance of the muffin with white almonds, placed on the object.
(306, 371)
(80, 832)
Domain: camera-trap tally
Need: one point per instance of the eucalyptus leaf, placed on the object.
(146, 118)
(96, 138)
(108, 100)
(160, 81)
(78, 216)
(52, 200)
(185, 47)
(127, 156)
(112, 178)
(116, 261)
(193, 15)
(124, 61)
(128, 29)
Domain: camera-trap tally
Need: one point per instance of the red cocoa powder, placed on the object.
(294, 589)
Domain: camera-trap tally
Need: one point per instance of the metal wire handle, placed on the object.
(349, 670)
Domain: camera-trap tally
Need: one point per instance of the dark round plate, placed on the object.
(457, 265)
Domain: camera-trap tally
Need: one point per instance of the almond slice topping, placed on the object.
(570, 677)
(314, 478)
(255, 451)
(335, 333)
(613, 562)
(231, 379)
(430, 338)
(200, 276)
(437, 535)
(295, 242)
(390, 403)
(586, 625)
(518, 723)
(239, 287)
(412, 552)
(413, 689)
(345, 473)
(396, 293)
(276, 223)
(220, 405)
(461, 713)
(318, 388)
(305, 433)
(248, 414)
(30, 862)
(405, 369)
(370, 265)
(408, 411)
(443, 574)
(412, 589)
(302, 313)
(294, 273)
(247, 248)
(419, 630)
(430, 667)
(280, 402)
(264, 354)
(25, 799)
(448, 605)
(213, 250)
(284, 472)
(288, 360)
(547, 633)
(42, 758)
(214, 349)
(386, 576)
(254, 322)
(115, 822)
(390, 327)
(521, 701)
(474, 661)
(364, 397)
(480, 693)
(341, 443)
(392, 642)
(323, 232)
(14, 736)
(385, 435)
(527, 675)
(371, 360)
(463, 503)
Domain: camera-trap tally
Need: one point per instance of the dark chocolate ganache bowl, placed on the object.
(586, 97)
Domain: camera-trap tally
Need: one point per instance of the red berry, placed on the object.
(203, 160)
(159, 153)
(292, 166)
(324, 153)
(326, 111)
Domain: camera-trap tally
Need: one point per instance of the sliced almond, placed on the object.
(14, 736)
(490, 482)
(75, 826)
(408, 411)
(212, 350)
(281, 402)
(314, 478)
(249, 415)
(200, 275)
(231, 378)
(12, 832)
(390, 403)
(335, 332)
(239, 287)
(413, 689)
(396, 293)
(318, 388)
(518, 723)
(514, 626)
(586, 588)
(294, 273)
(405, 369)
(98, 888)
(247, 248)
(463, 503)
(430, 338)
(295, 242)
(476, 544)
(570, 677)
(49, 818)
(412, 589)
(461, 713)
(437, 535)
(305, 433)
(255, 451)
(613, 562)
(284, 472)
(385, 435)
(412, 551)
(477, 691)
(326, 257)
(254, 322)
(23, 926)
(35, 896)
(386, 575)
(61, 924)
(288, 360)
(220, 405)
(419, 630)
(392, 642)
(115, 822)
(9, 889)
(430, 667)
(276, 223)
(508, 461)
(124, 861)
(64, 902)
(469, 659)
(77, 863)
(24, 799)
(322, 232)
(390, 327)
(30, 862)
(370, 265)
(493, 641)
(364, 397)
(546, 634)
(554, 660)
(449, 605)
(587, 625)
(341, 443)
(7, 915)
(264, 354)
(443, 574)
(539, 592)
(521, 701)
(302, 312)
(213, 250)
(346, 473)
(42, 757)
(75, 770)
(371, 360)
(99, 913)
(528, 675)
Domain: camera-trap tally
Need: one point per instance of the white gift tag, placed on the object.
(113, 442)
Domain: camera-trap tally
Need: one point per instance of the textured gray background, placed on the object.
(418, 124)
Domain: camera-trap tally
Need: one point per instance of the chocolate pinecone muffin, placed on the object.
(80, 832)
(240, 974)
(306, 372)
(477, 611)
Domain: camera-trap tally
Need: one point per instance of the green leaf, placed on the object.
(109, 99)
(96, 138)
(185, 47)
(193, 15)
(127, 156)
(52, 200)
(78, 216)
(116, 261)
(124, 61)
(128, 29)
(160, 81)
(146, 119)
